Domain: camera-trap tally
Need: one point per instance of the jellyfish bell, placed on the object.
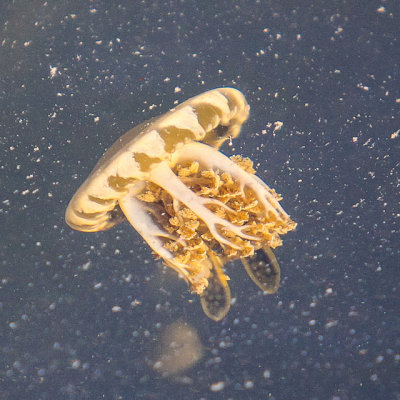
(195, 207)
(139, 155)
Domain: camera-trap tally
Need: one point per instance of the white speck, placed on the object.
(75, 364)
(328, 291)
(277, 126)
(249, 384)
(177, 89)
(374, 377)
(157, 365)
(395, 135)
(217, 386)
(363, 87)
(96, 119)
(86, 266)
(331, 324)
(267, 374)
(353, 313)
(53, 71)
(116, 309)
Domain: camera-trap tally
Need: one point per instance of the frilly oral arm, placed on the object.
(137, 215)
(163, 176)
(210, 158)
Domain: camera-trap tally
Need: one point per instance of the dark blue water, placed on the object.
(76, 75)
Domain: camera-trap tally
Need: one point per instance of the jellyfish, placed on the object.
(195, 207)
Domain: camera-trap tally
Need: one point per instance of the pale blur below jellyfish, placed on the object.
(179, 349)
(196, 208)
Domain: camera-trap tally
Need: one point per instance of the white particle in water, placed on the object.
(248, 384)
(157, 365)
(331, 324)
(374, 377)
(217, 386)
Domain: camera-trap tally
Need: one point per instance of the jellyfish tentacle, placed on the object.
(163, 176)
(142, 221)
(236, 230)
(219, 203)
(210, 158)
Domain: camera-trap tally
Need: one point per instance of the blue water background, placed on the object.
(75, 75)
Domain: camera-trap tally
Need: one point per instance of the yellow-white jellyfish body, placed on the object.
(195, 207)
